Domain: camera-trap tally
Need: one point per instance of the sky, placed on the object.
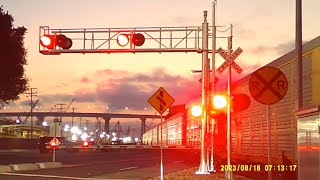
(122, 83)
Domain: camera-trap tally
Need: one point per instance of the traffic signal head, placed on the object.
(50, 41)
(136, 39)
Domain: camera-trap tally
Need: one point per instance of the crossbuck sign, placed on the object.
(229, 60)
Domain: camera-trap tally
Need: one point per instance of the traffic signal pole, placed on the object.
(213, 77)
(160, 40)
(203, 169)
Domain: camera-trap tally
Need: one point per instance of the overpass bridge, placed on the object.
(105, 116)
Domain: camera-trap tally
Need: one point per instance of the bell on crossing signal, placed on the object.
(240, 102)
(136, 39)
(51, 41)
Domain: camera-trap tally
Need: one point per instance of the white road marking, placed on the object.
(133, 167)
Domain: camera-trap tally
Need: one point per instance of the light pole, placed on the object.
(31, 94)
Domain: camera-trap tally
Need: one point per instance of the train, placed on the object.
(295, 133)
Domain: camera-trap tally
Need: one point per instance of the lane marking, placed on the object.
(107, 162)
(133, 167)
(51, 176)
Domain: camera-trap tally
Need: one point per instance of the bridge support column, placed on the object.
(143, 126)
(107, 125)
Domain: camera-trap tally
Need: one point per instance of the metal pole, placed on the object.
(229, 173)
(54, 149)
(299, 96)
(299, 53)
(269, 140)
(213, 77)
(31, 114)
(203, 169)
(161, 161)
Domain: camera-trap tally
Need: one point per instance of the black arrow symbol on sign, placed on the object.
(161, 100)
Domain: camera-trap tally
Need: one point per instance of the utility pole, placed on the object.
(73, 108)
(31, 94)
(87, 124)
(59, 109)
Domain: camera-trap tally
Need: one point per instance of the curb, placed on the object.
(46, 165)
(29, 166)
(4, 168)
(23, 167)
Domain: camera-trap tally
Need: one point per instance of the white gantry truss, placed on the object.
(104, 40)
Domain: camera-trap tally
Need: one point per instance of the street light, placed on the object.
(44, 123)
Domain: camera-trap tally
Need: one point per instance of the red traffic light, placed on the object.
(240, 102)
(63, 41)
(136, 39)
(217, 106)
(50, 41)
(85, 144)
(122, 40)
(47, 41)
(196, 110)
(219, 101)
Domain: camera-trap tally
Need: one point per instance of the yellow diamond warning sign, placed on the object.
(161, 100)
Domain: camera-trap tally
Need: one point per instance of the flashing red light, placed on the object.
(219, 101)
(85, 144)
(47, 41)
(196, 111)
(136, 39)
(122, 40)
(50, 41)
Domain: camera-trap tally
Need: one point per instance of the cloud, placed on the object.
(85, 95)
(279, 49)
(122, 89)
(85, 80)
(243, 32)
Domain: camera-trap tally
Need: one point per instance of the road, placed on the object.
(141, 164)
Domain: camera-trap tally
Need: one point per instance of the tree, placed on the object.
(12, 59)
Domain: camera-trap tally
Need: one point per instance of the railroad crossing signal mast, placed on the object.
(140, 40)
(120, 40)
